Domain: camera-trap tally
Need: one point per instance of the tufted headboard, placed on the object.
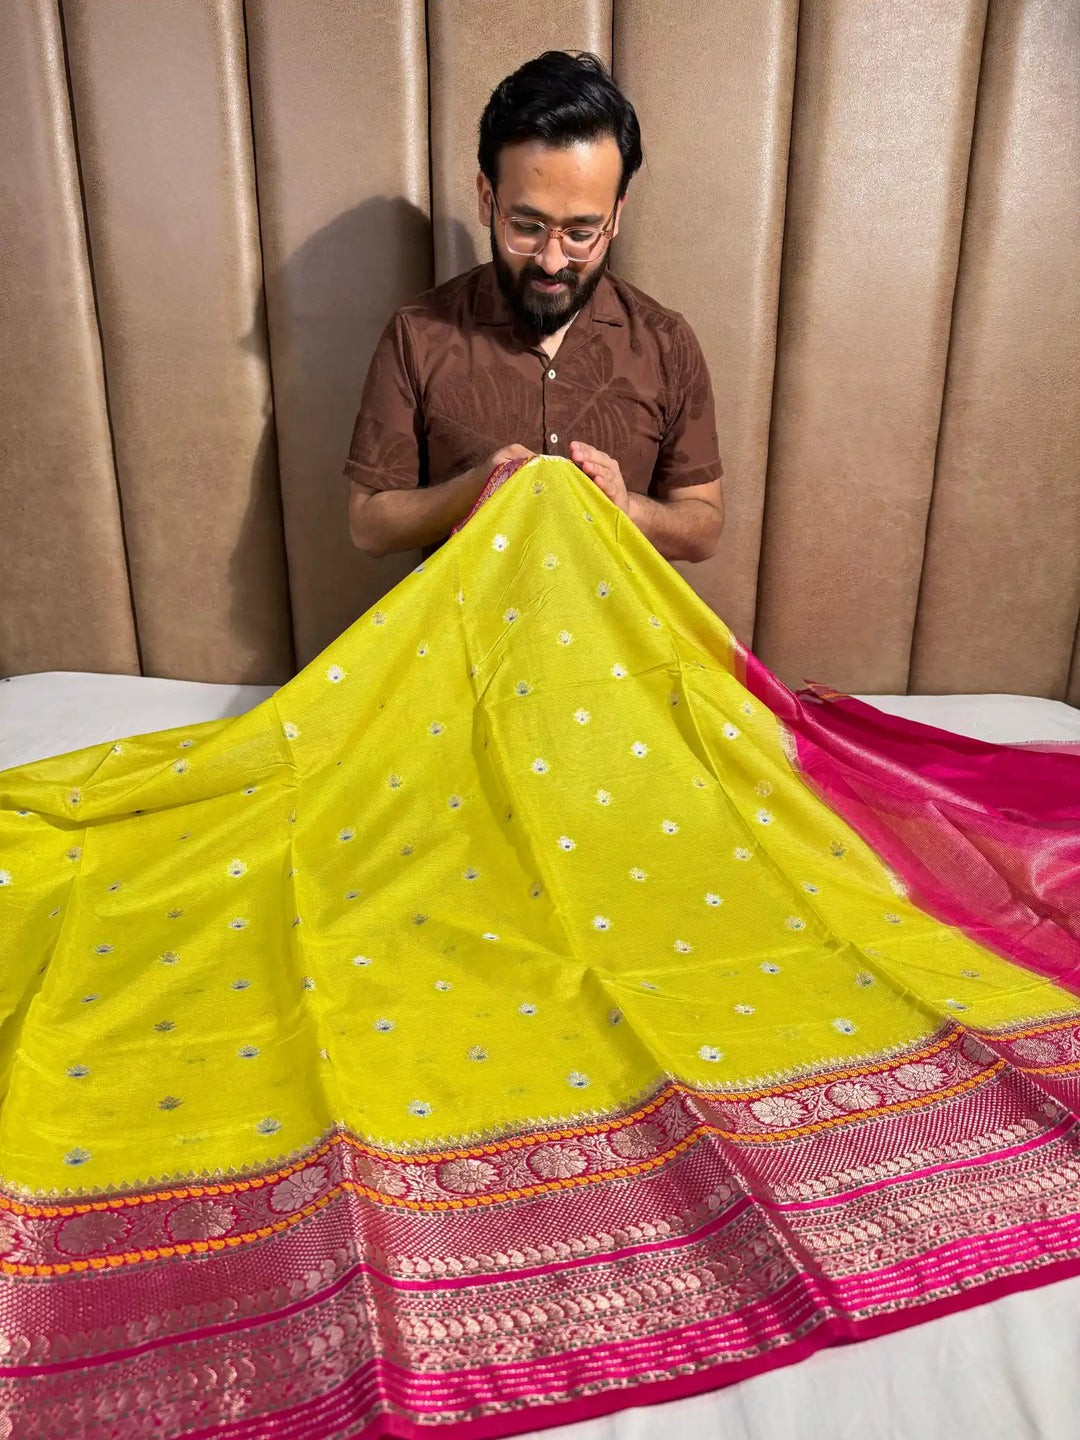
(869, 210)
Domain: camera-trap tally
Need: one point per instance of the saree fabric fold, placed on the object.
(532, 1009)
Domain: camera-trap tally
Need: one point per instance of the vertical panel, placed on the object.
(339, 96)
(64, 598)
(1001, 588)
(703, 224)
(884, 99)
(473, 44)
(162, 114)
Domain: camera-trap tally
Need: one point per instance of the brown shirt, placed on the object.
(453, 379)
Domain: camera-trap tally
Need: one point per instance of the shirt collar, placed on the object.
(492, 309)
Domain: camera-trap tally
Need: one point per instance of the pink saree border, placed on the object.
(726, 1259)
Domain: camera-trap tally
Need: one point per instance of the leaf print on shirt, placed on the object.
(565, 843)
(419, 1108)
(683, 947)
(539, 767)
(236, 868)
(550, 562)
(795, 922)
(346, 834)
(582, 717)
(526, 1009)
(620, 672)
(499, 543)
(394, 782)
(268, 1126)
(522, 688)
(846, 1027)
(731, 731)
(742, 853)
(238, 923)
(713, 900)
(564, 637)
(603, 797)
(603, 590)
(639, 749)
(180, 767)
(638, 874)
(290, 731)
(763, 817)
(335, 674)
(710, 1053)
(383, 1026)
(578, 1080)
(669, 827)
(743, 1009)
(6, 878)
(511, 615)
(601, 922)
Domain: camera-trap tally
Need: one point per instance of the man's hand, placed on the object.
(604, 471)
(508, 452)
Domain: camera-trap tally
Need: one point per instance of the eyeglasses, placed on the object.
(525, 236)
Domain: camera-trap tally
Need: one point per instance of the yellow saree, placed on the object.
(493, 1019)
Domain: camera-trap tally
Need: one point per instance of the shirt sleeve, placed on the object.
(389, 449)
(689, 452)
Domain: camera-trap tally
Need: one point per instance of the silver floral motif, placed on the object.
(557, 1162)
(93, 1232)
(467, 1176)
(296, 1191)
(201, 1220)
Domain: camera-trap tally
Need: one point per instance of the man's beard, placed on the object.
(543, 314)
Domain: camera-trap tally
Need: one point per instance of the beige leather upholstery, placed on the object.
(64, 597)
(1001, 582)
(869, 213)
(884, 99)
(339, 99)
(703, 228)
(162, 114)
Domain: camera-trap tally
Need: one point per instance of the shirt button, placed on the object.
(551, 374)
(553, 438)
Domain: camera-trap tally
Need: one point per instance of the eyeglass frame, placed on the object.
(555, 232)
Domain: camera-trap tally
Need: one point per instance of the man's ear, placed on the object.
(618, 214)
(483, 199)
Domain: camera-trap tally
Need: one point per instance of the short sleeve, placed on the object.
(689, 453)
(388, 449)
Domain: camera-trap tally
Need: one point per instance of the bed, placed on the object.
(1004, 1369)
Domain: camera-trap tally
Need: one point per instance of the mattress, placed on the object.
(1002, 1371)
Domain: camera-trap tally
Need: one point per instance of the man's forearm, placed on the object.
(684, 529)
(386, 521)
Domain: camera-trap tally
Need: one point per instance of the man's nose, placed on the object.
(552, 259)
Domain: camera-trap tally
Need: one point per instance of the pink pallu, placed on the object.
(685, 1242)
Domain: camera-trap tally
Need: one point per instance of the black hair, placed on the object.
(559, 98)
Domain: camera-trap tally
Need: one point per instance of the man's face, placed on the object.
(578, 186)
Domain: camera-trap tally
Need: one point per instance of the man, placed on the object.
(544, 350)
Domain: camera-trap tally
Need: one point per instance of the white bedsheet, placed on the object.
(1003, 1371)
